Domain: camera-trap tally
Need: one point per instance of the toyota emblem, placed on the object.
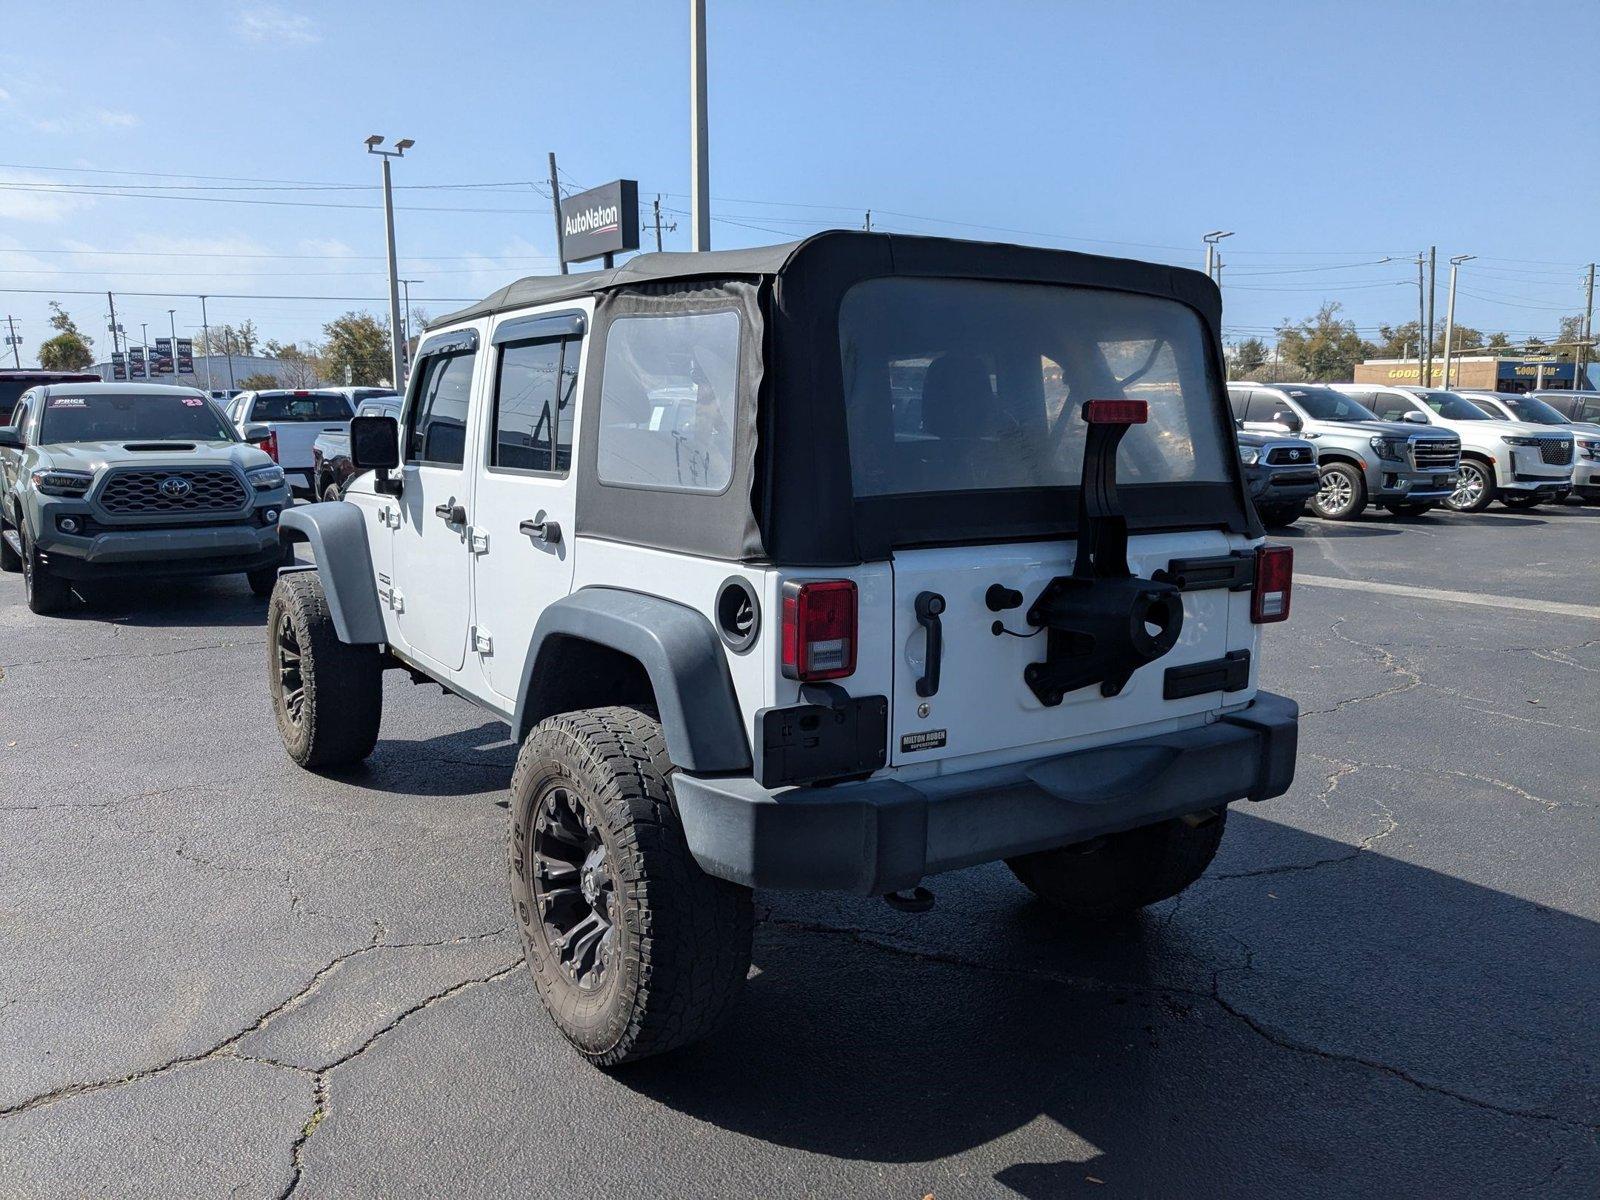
(175, 487)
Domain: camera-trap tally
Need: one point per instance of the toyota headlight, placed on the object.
(62, 483)
(265, 478)
(1249, 455)
(1389, 449)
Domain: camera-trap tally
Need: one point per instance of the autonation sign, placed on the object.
(603, 220)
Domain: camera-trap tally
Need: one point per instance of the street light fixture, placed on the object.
(1211, 239)
(395, 349)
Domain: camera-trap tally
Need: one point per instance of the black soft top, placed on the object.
(791, 499)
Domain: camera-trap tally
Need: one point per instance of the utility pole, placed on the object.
(144, 340)
(16, 357)
(205, 337)
(1450, 313)
(1580, 378)
(699, 149)
(405, 313)
(172, 325)
(555, 207)
(656, 209)
(397, 377)
(1422, 378)
(1433, 286)
(869, 221)
(115, 328)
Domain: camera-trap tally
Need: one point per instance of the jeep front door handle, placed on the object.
(929, 606)
(451, 514)
(547, 531)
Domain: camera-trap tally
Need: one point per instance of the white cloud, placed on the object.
(268, 23)
(112, 119)
(4, 95)
(46, 204)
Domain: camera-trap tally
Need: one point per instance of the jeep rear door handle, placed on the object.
(451, 514)
(929, 606)
(546, 531)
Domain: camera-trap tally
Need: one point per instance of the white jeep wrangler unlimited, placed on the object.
(830, 565)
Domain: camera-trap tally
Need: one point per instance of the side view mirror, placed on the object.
(375, 446)
(1291, 422)
(10, 437)
(255, 434)
(1413, 418)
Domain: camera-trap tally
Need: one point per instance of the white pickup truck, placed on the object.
(295, 419)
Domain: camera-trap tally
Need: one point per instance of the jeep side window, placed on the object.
(667, 400)
(533, 406)
(437, 434)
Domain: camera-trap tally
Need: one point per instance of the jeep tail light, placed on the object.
(819, 629)
(1269, 598)
(270, 445)
(1116, 412)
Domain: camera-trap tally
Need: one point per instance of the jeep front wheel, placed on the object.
(1118, 874)
(328, 696)
(1342, 493)
(46, 593)
(633, 948)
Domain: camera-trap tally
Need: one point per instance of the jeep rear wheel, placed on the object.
(46, 593)
(328, 696)
(1342, 493)
(633, 948)
(1116, 875)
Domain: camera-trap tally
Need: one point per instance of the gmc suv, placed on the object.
(1361, 459)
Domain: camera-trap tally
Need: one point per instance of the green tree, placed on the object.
(356, 350)
(1497, 341)
(1248, 357)
(259, 381)
(1322, 345)
(69, 350)
(1570, 332)
(299, 366)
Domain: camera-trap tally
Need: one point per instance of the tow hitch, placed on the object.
(1103, 622)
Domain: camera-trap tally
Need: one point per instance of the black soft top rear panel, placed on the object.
(793, 499)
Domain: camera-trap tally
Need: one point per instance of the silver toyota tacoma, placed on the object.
(104, 481)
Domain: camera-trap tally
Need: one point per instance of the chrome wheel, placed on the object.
(1335, 494)
(574, 888)
(1470, 485)
(291, 680)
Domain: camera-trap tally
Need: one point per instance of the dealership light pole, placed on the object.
(700, 167)
(1450, 313)
(172, 325)
(399, 151)
(1211, 239)
(205, 338)
(1580, 376)
(1433, 287)
(1421, 319)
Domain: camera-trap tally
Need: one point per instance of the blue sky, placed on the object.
(1117, 128)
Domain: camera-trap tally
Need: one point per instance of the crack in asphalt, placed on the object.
(1386, 659)
(89, 658)
(1166, 991)
(227, 1047)
(133, 799)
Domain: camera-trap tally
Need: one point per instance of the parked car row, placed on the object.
(1409, 449)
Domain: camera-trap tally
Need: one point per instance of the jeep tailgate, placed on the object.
(983, 703)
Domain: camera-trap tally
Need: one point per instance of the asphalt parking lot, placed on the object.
(222, 975)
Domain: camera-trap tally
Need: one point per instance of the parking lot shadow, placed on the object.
(152, 604)
(1361, 1026)
(465, 763)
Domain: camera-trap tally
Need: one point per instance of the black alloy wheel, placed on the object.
(574, 888)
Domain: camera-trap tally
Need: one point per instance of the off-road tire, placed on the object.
(10, 560)
(1483, 498)
(46, 593)
(1112, 876)
(1279, 516)
(680, 938)
(1353, 491)
(340, 687)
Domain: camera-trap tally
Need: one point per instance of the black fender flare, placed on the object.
(680, 653)
(337, 534)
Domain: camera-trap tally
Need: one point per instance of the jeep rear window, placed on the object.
(328, 406)
(112, 418)
(966, 385)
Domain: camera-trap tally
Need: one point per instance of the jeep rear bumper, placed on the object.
(883, 835)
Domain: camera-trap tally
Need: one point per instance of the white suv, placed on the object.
(813, 566)
(1518, 464)
(1532, 410)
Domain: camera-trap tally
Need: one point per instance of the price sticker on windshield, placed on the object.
(193, 401)
(69, 402)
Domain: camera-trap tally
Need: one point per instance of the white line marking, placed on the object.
(1591, 611)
